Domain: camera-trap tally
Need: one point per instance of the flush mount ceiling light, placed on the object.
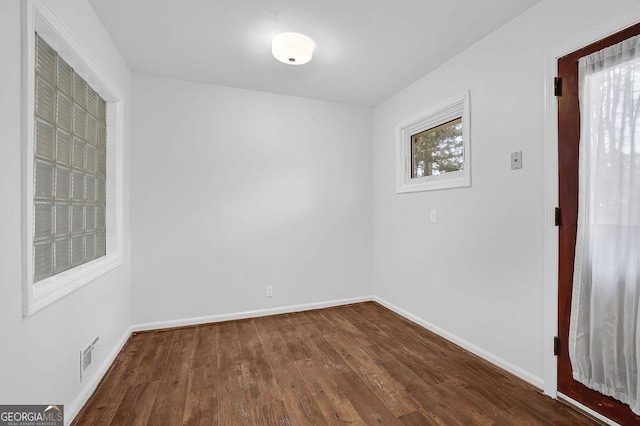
(292, 48)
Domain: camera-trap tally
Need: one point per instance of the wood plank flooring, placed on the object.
(358, 365)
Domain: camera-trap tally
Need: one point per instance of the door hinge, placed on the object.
(558, 217)
(557, 86)
(556, 346)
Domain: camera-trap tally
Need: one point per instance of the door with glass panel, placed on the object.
(599, 234)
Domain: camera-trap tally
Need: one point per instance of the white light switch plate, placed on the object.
(516, 160)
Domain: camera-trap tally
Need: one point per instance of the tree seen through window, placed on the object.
(437, 150)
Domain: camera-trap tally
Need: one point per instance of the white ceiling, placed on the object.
(367, 50)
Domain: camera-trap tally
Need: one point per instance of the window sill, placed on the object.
(48, 291)
(459, 180)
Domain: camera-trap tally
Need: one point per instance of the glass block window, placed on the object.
(69, 226)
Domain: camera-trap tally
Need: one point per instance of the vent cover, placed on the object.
(88, 356)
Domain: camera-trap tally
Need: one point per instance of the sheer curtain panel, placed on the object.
(604, 344)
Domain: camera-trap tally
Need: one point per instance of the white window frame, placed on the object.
(451, 109)
(38, 17)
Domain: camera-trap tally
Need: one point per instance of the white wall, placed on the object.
(39, 355)
(478, 272)
(233, 190)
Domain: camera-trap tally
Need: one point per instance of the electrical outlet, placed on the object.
(269, 291)
(434, 217)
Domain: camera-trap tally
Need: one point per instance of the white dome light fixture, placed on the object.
(292, 48)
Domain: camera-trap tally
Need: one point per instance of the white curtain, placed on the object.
(604, 339)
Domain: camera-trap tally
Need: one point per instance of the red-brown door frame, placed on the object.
(568, 140)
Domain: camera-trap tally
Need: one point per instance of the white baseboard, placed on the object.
(247, 314)
(505, 365)
(93, 381)
(587, 410)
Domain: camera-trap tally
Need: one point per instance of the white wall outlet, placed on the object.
(434, 217)
(269, 291)
(516, 160)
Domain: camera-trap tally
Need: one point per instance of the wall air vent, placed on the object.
(88, 356)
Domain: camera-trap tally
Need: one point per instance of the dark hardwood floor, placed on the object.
(358, 364)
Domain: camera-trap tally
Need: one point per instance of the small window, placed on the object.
(433, 148)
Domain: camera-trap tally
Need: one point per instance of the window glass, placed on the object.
(437, 150)
(69, 167)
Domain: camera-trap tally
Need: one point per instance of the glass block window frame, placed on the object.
(69, 227)
(455, 108)
(57, 164)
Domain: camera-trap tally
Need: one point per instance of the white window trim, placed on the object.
(37, 16)
(455, 107)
